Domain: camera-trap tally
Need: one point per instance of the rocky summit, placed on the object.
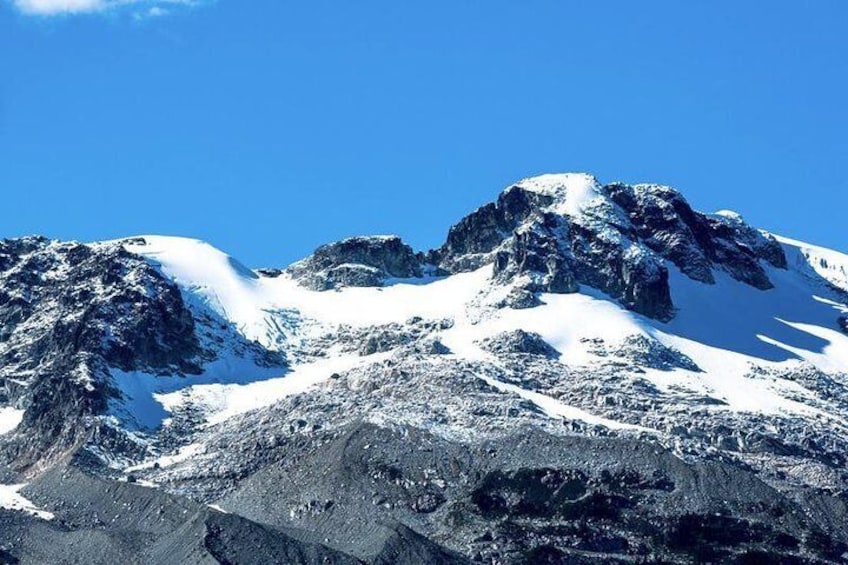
(581, 373)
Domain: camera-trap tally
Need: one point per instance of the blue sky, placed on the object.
(268, 127)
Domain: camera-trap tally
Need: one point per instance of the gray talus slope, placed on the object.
(99, 521)
(514, 499)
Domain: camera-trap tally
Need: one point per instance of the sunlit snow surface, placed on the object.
(11, 499)
(9, 419)
(725, 328)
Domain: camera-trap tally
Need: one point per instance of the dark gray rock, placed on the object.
(537, 254)
(555, 253)
(520, 299)
(479, 233)
(270, 273)
(630, 274)
(357, 261)
(432, 346)
(404, 545)
(695, 242)
(385, 339)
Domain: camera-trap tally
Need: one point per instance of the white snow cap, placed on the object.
(572, 191)
(730, 215)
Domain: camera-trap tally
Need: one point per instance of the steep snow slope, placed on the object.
(828, 264)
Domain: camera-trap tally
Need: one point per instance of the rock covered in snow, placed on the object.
(561, 231)
(557, 232)
(69, 312)
(645, 352)
(697, 243)
(357, 261)
(519, 341)
(73, 314)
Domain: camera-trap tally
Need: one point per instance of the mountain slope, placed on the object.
(376, 402)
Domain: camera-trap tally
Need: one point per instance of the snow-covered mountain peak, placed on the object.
(610, 314)
(571, 192)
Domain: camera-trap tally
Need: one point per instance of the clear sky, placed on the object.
(268, 127)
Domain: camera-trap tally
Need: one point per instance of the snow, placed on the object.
(11, 499)
(564, 321)
(572, 192)
(228, 287)
(733, 216)
(829, 264)
(223, 401)
(148, 400)
(9, 419)
(254, 303)
(726, 328)
(736, 318)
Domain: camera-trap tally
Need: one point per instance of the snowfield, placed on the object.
(726, 328)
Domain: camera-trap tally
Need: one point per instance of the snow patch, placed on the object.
(219, 402)
(148, 400)
(10, 418)
(11, 499)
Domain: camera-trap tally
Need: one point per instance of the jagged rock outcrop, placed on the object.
(537, 232)
(556, 232)
(694, 242)
(357, 261)
(74, 314)
(70, 312)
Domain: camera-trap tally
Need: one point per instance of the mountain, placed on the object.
(581, 373)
